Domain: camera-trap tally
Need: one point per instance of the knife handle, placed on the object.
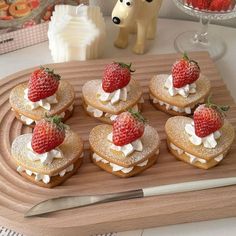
(188, 186)
(119, 196)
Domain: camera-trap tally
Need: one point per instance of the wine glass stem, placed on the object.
(202, 35)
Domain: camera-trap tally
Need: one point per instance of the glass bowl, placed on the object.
(202, 40)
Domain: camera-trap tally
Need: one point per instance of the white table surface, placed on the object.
(167, 31)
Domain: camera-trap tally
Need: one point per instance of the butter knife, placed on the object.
(68, 202)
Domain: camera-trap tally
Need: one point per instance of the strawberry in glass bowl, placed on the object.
(206, 11)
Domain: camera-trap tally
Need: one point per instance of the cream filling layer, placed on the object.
(114, 97)
(115, 167)
(27, 120)
(45, 158)
(128, 148)
(193, 159)
(98, 113)
(44, 103)
(209, 141)
(187, 110)
(183, 91)
(45, 178)
(30, 121)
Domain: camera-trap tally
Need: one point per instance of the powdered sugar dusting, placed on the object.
(71, 149)
(91, 88)
(157, 88)
(100, 145)
(175, 130)
(65, 96)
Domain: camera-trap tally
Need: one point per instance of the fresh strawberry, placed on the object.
(208, 118)
(43, 83)
(200, 4)
(185, 71)
(221, 5)
(128, 127)
(48, 134)
(116, 76)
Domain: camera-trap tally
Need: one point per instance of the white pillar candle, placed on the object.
(76, 33)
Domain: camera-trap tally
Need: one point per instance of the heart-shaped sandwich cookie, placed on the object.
(116, 93)
(50, 155)
(125, 149)
(180, 92)
(44, 94)
(203, 141)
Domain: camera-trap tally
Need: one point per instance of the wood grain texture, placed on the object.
(17, 194)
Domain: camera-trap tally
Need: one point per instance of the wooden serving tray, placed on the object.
(17, 194)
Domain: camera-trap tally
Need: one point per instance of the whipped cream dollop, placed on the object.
(45, 158)
(27, 120)
(115, 167)
(98, 113)
(45, 178)
(187, 110)
(183, 91)
(44, 103)
(128, 148)
(70, 109)
(175, 148)
(210, 141)
(193, 159)
(114, 97)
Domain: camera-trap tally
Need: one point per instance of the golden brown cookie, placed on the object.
(64, 107)
(130, 165)
(72, 149)
(200, 156)
(171, 112)
(105, 119)
(68, 114)
(90, 98)
(200, 163)
(177, 105)
(102, 146)
(55, 180)
(135, 171)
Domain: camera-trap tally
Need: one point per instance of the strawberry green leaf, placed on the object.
(137, 115)
(222, 109)
(124, 65)
(50, 72)
(57, 120)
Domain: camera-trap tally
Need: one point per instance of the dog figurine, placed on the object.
(136, 16)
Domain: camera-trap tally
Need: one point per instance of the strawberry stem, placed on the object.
(137, 115)
(221, 109)
(57, 120)
(124, 65)
(50, 72)
(186, 57)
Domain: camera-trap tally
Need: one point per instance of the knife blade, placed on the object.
(69, 202)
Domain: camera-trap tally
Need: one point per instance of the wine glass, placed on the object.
(202, 40)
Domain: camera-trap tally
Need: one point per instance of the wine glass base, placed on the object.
(185, 43)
